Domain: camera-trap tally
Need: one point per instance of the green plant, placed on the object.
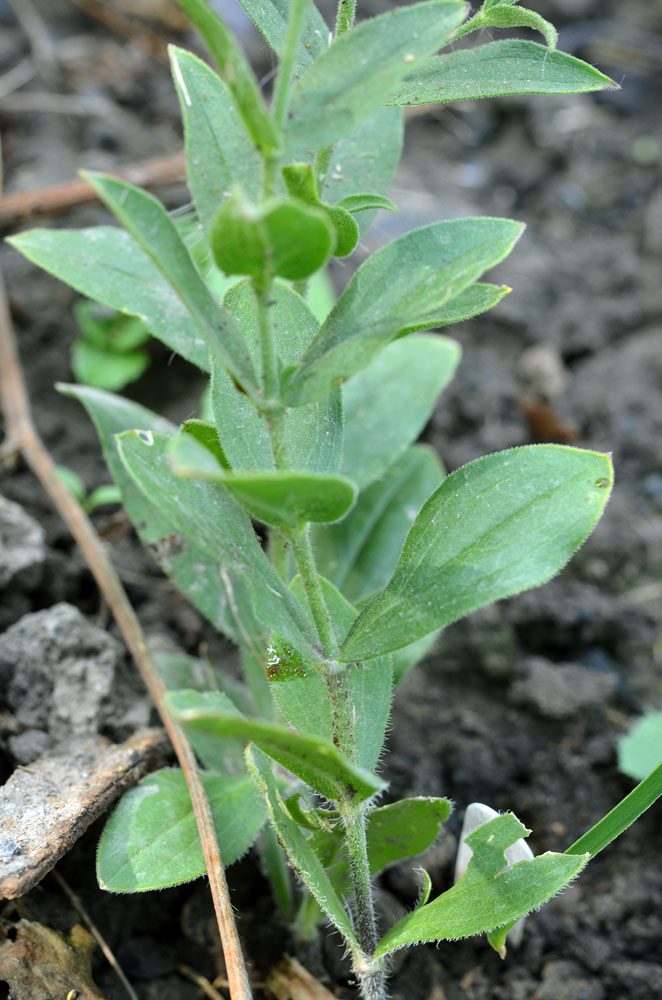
(370, 549)
(109, 352)
(106, 494)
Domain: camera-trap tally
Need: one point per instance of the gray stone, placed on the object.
(68, 677)
(560, 690)
(22, 547)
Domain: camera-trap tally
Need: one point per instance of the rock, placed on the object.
(68, 677)
(568, 980)
(22, 547)
(560, 690)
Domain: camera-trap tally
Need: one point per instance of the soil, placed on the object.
(522, 705)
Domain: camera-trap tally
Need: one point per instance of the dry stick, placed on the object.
(59, 197)
(77, 903)
(22, 437)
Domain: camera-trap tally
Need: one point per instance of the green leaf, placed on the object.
(151, 839)
(313, 433)
(303, 697)
(236, 72)
(360, 553)
(497, 526)
(105, 369)
(300, 180)
(301, 856)
(108, 329)
(366, 160)
(219, 150)
(284, 499)
(401, 288)
(148, 222)
(224, 757)
(208, 515)
(498, 69)
(388, 404)
(407, 657)
(107, 264)
(641, 750)
(475, 299)
(205, 433)
(281, 236)
(356, 74)
(271, 17)
(490, 893)
(72, 481)
(220, 595)
(504, 15)
(316, 761)
(363, 202)
(102, 495)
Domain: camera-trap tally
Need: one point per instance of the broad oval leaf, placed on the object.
(404, 287)
(497, 526)
(299, 852)
(316, 761)
(207, 514)
(498, 69)
(216, 591)
(388, 404)
(151, 840)
(360, 553)
(107, 264)
(286, 499)
(148, 222)
(490, 893)
(359, 71)
(219, 150)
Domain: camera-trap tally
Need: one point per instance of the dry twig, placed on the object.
(21, 437)
(58, 198)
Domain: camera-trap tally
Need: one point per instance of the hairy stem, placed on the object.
(273, 408)
(305, 561)
(283, 88)
(372, 979)
(345, 16)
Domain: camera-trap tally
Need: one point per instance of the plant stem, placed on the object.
(305, 561)
(286, 71)
(273, 408)
(345, 16)
(371, 978)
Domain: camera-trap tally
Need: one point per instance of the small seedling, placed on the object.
(109, 353)
(366, 549)
(102, 495)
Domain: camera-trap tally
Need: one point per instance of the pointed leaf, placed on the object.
(366, 160)
(316, 761)
(490, 894)
(271, 16)
(284, 499)
(499, 525)
(236, 72)
(401, 288)
(360, 553)
(475, 299)
(304, 860)
(641, 750)
(388, 404)
(357, 73)
(107, 264)
(219, 150)
(209, 516)
(303, 696)
(148, 222)
(498, 69)
(224, 757)
(220, 595)
(507, 15)
(363, 202)
(313, 433)
(151, 839)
